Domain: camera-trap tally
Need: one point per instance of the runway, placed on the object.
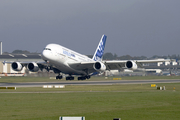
(112, 82)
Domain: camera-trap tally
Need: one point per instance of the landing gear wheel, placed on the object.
(88, 76)
(81, 78)
(69, 78)
(58, 77)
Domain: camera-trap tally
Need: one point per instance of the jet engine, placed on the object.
(131, 65)
(99, 66)
(33, 67)
(16, 66)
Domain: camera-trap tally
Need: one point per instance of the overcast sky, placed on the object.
(133, 27)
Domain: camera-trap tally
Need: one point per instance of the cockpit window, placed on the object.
(47, 49)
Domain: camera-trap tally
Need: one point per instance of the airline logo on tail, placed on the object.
(100, 49)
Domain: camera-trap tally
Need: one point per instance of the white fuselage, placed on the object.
(59, 57)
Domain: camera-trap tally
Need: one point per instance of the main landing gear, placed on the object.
(84, 77)
(70, 78)
(58, 77)
(67, 78)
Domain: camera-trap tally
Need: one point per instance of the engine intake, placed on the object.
(131, 65)
(99, 66)
(16, 66)
(33, 67)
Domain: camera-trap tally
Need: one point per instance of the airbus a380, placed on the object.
(63, 60)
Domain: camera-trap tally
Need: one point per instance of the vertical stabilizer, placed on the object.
(100, 49)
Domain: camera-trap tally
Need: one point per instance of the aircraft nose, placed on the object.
(45, 55)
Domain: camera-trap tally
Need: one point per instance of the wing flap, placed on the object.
(152, 61)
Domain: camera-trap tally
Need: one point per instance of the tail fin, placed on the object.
(100, 49)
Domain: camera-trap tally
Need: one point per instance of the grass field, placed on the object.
(137, 102)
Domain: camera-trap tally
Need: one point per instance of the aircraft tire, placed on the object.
(69, 78)
(79, 78)
(58, 77)
(88, 77)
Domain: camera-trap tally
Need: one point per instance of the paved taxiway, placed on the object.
(40, 84)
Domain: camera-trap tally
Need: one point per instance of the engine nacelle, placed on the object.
(131, 65)
(99, 66)
(33, 67)
(16, 66)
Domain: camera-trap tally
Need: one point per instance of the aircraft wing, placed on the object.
(110, 65)
(129, 64)
(113, 64)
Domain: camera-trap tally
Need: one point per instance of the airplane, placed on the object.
(63, 60)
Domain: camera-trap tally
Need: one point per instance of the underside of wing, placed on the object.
(95, 66)
(83, 66)
(115, 65)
